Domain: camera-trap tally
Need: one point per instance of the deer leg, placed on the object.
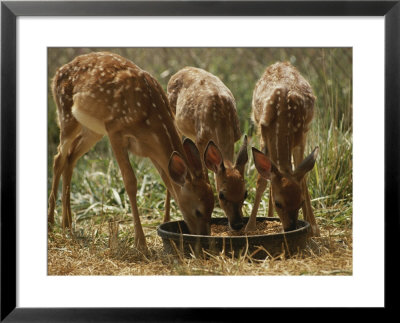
(270, 204)
(298, 155)
(165, 179)
(119, 146)
(167, 216)
(261, 186)
(81, 145)
(260, 189)
(58, 168)
(308, 214)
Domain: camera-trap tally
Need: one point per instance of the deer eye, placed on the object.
(221, 196)
(278, 205)
(198, 214)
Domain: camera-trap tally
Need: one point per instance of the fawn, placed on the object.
(283, 107)
(206, 113)
(105, 94)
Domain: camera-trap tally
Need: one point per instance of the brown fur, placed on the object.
(283, 107)
(105, 94)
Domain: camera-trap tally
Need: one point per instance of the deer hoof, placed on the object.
(250, 227)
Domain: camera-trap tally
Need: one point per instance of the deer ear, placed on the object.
(262, 162)
(306, 165)
(177, 168)
(242, 156)
(193, 157)
(213, 157)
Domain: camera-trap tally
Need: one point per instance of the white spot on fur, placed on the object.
(167, 132)
(207, 129)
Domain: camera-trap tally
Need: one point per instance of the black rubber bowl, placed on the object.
(176, 239)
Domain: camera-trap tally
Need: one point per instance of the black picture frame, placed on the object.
(11, 10)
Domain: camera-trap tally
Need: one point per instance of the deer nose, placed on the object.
(237, 225)
(236, 219)
(292, 226)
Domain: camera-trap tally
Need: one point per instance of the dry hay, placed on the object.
(105, 249)
(262, 227)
